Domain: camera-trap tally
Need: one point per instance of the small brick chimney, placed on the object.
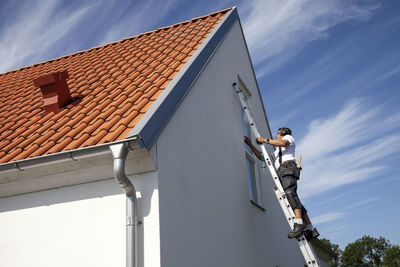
(55, 91)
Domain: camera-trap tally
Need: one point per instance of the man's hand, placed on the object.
(247, 141)
(255, 150)
(261, 140)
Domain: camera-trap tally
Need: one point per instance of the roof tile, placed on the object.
(12, 155)
(97, 137)
(78, 142)
(45, 136)
(62, 144)
(42, 150)
(4, 143)
(59, 134)
(29, 150)
(91, 116)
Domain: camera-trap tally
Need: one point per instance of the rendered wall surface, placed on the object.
(206, 218)
(80, 225)
(148, 232)
(72, 226)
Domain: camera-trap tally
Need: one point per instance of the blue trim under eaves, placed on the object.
(156, 118)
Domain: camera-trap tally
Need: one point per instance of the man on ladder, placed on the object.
(288, 171)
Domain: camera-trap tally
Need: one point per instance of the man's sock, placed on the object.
(298, 221)
(310, 226)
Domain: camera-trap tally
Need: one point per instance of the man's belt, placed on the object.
(287, 162)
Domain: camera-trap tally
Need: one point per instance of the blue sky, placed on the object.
(329, 70)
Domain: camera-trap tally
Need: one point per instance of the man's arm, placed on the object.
(282, 143)
(255, 150)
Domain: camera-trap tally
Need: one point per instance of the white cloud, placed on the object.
(38, 27)
(362, 203)
(144, 18)
(348, 147)
(327, 217)
(40, 30)
(336, 215)
(336, 231)
(277, 30)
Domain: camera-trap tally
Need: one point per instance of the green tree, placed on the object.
(334, 262)
(392, 257)
(366, 251)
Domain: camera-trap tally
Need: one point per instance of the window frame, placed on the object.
(254, 183)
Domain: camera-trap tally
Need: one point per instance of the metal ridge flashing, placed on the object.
(156, 118)
(74, 154)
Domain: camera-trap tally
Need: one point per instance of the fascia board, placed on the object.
(156, 118)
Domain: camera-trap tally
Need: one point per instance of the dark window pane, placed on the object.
(252, 181)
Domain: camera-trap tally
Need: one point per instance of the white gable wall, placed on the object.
(206, 218)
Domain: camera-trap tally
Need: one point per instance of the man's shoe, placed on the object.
(297, 230)
(310, 234)
(315, 233)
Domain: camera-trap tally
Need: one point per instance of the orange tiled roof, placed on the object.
(117, 84)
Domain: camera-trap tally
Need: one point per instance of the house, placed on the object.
(133, 152)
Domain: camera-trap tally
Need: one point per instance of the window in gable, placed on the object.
(253, 165)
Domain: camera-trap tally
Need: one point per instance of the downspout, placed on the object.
(120, 152)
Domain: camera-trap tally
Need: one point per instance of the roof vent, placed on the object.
(55, 91)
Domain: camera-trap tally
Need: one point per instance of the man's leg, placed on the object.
(299, 224)
(297, 214)
(311, 231)
(289, 184)
(306, 219)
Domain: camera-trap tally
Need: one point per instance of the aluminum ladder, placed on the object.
(305, 247)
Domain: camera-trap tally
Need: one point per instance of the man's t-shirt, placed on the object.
(288, 153)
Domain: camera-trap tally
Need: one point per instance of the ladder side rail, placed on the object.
(307, 251)
(304, 246)
(280, 193)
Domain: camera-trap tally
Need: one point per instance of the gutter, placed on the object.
(76, 154)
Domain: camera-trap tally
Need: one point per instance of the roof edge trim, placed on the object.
(156, 118)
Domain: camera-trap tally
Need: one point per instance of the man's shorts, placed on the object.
(289, 182)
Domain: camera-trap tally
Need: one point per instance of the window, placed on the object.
(252, 179)
(252, 165)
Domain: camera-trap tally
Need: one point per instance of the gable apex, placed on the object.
(150, 127)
